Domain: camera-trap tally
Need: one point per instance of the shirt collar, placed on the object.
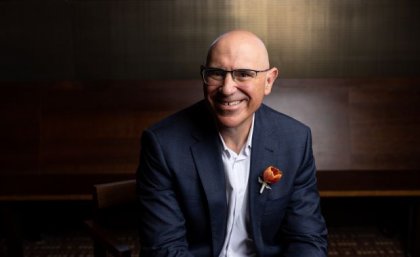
(246, 150)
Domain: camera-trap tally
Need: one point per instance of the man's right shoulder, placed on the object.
(184, 120)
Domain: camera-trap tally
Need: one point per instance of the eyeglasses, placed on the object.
(216, 76)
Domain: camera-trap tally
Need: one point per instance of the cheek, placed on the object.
(257, 95)
(258, 90)
(209, 91)
(209, 94)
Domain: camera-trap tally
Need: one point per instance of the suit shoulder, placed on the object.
(185, 120)
(280, 119)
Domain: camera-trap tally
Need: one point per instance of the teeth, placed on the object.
(232, 103)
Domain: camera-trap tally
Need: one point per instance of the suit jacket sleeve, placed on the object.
(162, 224)
(304, 228)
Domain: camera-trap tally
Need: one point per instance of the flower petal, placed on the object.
(272, 175)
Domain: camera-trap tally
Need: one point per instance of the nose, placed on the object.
(229, 85)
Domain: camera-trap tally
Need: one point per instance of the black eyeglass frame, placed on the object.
(203, 69)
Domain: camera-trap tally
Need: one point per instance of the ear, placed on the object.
(269, 80)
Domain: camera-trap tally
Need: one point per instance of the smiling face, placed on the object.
(233, 103)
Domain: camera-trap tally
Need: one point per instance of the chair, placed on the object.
(114, 223)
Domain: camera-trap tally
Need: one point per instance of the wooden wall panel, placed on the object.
(19, 127)
(95, 127)
(58, 134)
(385, 124)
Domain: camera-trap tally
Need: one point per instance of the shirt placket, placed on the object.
(236, 196)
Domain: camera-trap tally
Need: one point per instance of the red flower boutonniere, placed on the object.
(271, 175)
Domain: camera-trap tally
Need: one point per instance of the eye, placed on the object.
(216, 73)
(244, 74)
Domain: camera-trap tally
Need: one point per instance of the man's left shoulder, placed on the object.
(279, 120)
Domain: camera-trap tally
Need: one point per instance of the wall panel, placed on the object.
(168, 39)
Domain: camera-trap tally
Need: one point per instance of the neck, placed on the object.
(235, 138)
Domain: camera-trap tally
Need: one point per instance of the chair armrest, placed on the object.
(105, 240)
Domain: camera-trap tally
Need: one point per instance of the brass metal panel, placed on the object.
(166, 39)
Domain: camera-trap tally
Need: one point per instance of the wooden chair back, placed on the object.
(113, 227)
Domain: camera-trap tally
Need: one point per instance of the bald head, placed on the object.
(244, 46)
(236, 97)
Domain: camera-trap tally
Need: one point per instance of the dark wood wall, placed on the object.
(63, 133)
(166, 39)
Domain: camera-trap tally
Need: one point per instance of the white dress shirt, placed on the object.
(238, 242)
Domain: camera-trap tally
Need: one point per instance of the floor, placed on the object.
(346, 242)
(357, 228)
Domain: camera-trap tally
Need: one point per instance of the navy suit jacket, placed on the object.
(182, 196)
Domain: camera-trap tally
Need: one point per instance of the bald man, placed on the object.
(204, 184)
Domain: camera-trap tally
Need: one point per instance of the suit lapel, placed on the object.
(262, 156)
(210, 170)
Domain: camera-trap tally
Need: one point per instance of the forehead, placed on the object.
(237, 52)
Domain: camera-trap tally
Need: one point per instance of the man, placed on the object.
(201, 187)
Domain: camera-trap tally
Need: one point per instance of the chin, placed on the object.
(229, 122)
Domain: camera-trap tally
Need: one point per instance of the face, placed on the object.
(234, 103)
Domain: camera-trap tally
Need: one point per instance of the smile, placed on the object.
(232, 103)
